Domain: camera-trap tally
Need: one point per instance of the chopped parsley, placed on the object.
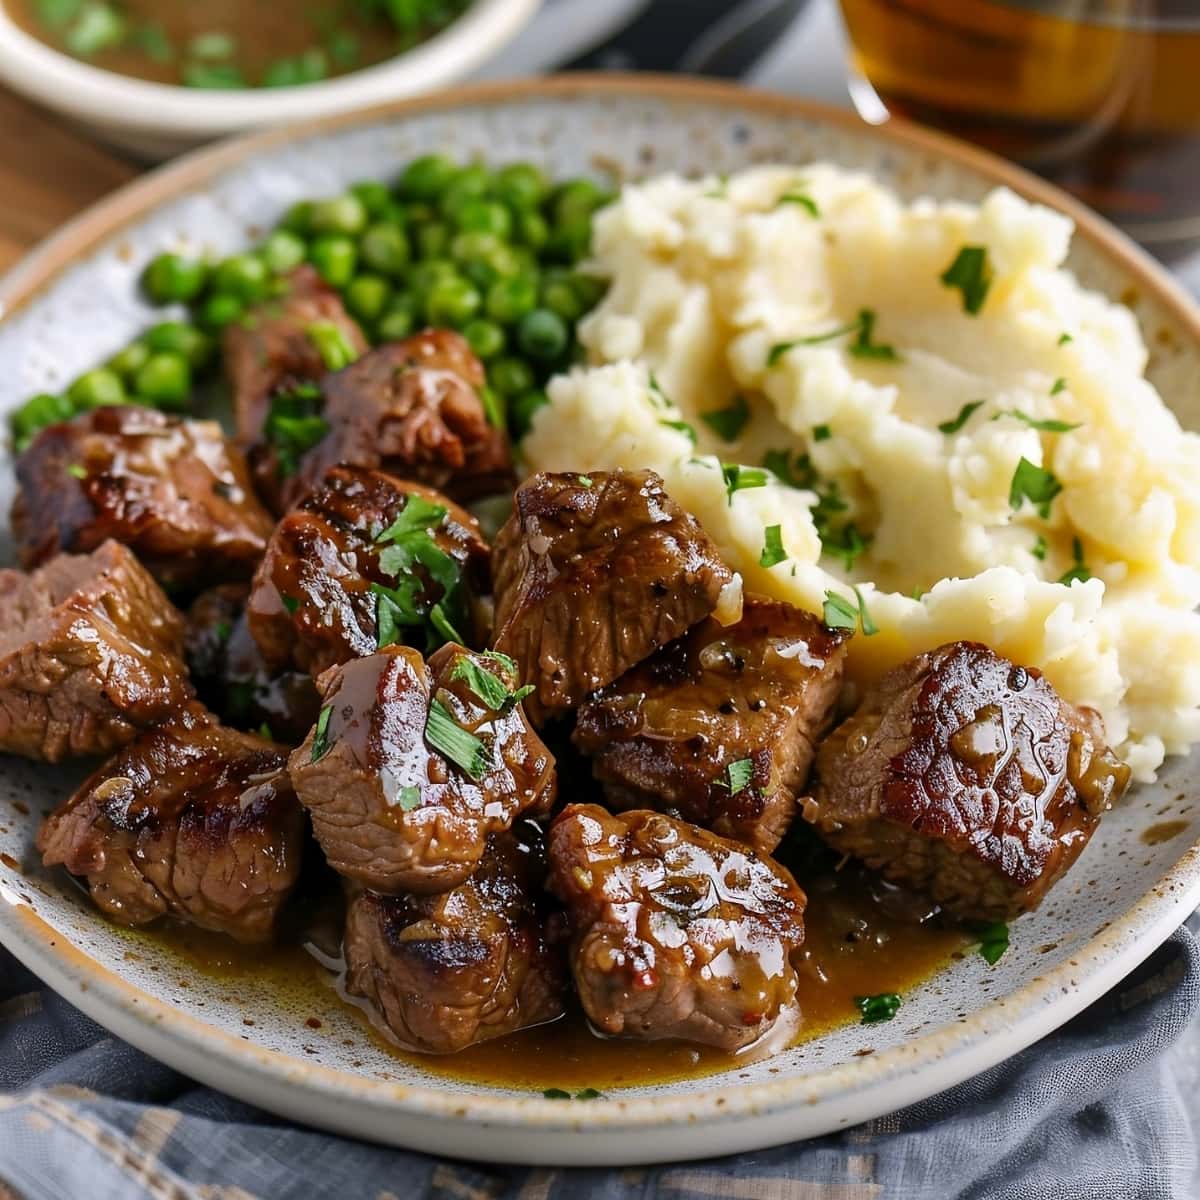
(864, 347)
(779, 463)
(489, 689)
(556, 1094)
(264, 732)
(294, 425)
(681, 427)
(408, 798)
(1035, 484)
(728, 423)
(843, 541)
(1078, 573)
(1038, 549)
(821, 433)
(77, 471)
(805, 202)
(971, 273)
(448, 737)
(875, 1009)
(773, 552)
(1060, 385)
(331, 343)
(964, 415)
(320, 746)
(290, 605)
(1045, 426)
(737, 478)
(585, 481)
(993, 939)
(839, 613)
(781, 348)
(1064, 339)
(658, 397)
(737, 775)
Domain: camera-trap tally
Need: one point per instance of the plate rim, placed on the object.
(879, 1083)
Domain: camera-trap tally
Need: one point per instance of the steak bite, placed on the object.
(675, 932)
(231, 677)
(361, 562)
(272, 348)
(91, 651)
(412, 408)
(720, 726)
(193, 821)
(412, 765)
(175, 491)
(448, 970)
(592, 574)
(967, 777)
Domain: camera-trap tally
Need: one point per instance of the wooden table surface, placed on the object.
(48, 173)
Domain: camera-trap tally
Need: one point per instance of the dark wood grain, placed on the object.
(48, 172)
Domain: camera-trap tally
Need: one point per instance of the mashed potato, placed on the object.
(954, 466)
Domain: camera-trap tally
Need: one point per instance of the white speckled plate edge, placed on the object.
(1122, 899)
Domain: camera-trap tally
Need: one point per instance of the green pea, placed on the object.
(367, 296)
(511, 376)
(283, 251)
(560, 297)
(335, 257)
(486, 338)
(426, 178)
(126, 362)
(589, 288)
(483, 216)
(172, 278)
(452, 302)
(521, 186)
(471, 183)
(395, 326)
(243, 275)
(570, 242)
(425, 276)
(374, 196)
(221, 309)
(177, 337)
(36, 413)
(508, 300)
(532, 230)
(165, 379)
(298, 218)
(542, 334)
(473, 247)
(97, 388)
(419, 214)
(384, 248)
(433, 240)
(578, 198)
(522, 408)
(341, 214)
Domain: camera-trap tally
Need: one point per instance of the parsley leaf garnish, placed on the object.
(821, 433)
(738, 478)
(846, 541)
(1064, 339)
(806, 202)
(1038, 549)
(773, 552)
(294, 425)
(658, 397)
(1035, 484)
(331, 343)
(681, 427)
(1046, 426)
(1060, 385)
(320, 745)
(738, 775)
(462, 748)
(1078, 573)
(964, 415)
(993, 939)
(864, 347)
(839, 613)
(971, 273)
(781, 348)
(875, 1009)
(728, 423)
(779, 463)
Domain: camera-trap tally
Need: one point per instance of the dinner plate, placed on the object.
(74, 301)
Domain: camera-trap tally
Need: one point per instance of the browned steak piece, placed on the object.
(411, 408)
(272, 349)
(592, 574)
(720, 726)
(192, 820)
(91, 651)
(365, 560)
(445, 971)
(231, 677)
(413, 765)
(177, 492)
(675, 932)
(965, 776)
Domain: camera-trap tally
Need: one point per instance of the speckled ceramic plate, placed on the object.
(74, 301)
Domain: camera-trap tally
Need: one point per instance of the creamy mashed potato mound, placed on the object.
(709, 277)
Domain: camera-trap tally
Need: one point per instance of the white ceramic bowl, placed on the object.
(157, 120)
(75, 301)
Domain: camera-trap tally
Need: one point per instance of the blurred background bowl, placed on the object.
(157, 120)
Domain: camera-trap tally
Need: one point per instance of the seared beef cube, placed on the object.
(176, 492)
(720, 727)
(470, 964)
(412, 765)
(363, 560)
(272, 348)
(965, 776)
(193, 821)
(231, 676)
(411, 408)
(91, 651)
(675, 932)
(592, 574)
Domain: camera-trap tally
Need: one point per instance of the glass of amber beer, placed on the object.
(1100, 96)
